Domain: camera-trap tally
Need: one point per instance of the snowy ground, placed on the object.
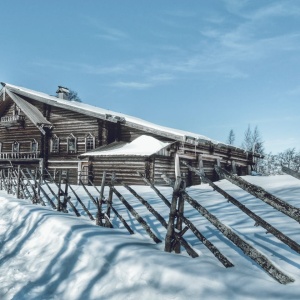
(45, 254)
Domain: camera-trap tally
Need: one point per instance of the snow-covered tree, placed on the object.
(272, 164)
(290, 158)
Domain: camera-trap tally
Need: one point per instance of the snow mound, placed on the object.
(45, 254)
(142, 146)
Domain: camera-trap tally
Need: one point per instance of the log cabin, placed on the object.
(42, 131)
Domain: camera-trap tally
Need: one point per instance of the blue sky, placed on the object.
(205, 66)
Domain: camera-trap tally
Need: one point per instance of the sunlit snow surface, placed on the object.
(45, 254)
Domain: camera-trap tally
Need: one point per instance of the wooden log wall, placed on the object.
(66, 122)
(163, 165)
(70, 167)
(124, 167)
(211, 152)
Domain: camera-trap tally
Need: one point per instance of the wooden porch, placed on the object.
(19, 155)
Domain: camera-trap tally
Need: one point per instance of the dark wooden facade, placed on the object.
(38, 130)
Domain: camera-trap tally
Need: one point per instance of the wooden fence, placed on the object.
(42, 188)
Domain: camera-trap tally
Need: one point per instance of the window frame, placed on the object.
(89, 137)
(34, 141)
(15, 143)
(52, 144)
(71, 137)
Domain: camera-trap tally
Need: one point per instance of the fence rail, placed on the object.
(19, 155)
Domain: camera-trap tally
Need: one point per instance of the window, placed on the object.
(16, 111)
(89, 142)
(34, 146)
(54, 145)
(15, 147)
(72, 144)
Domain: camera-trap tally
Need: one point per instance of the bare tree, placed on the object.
(247, 143)
(73, 96)
(231, 137)
(257, 142)
(253, 141)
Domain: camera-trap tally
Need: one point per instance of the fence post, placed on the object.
(58, 193)
(1, 178)
(18, 182)
(99, 201)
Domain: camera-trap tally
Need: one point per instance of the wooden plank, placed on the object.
(81, 203)
(249, 250)
(121, 219)
(162, 221)
(170, 229)
(290, 172)
(214, 250)
(262, 194)
(42, 190)
(258, 220)
(136, 216)
(99, 202)
(87, 191)
(67, 199)
(18, 182)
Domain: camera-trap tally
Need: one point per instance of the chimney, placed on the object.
(62, 92)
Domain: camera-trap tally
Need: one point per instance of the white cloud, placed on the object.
(111, 34)
(105, 32)
(132, 85)
(161, 77)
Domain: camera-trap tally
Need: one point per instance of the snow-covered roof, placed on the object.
(144, 145)
(176, 134)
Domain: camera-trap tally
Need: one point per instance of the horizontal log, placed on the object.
(249, 250)
(136, 216)
(210, 246)
(262, 194)
(291, 172)
(258, 220)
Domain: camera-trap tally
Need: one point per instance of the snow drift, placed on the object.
(49, 255)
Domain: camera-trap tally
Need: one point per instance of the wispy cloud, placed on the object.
(105, 32)
(112, 34)
(85, 68)
(222, 48)
(104, 70)
(161, 78)
(132, 85)
(242, 8)
(181, 13)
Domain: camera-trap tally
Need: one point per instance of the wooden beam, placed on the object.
(249, 250)
(262, 194)
(258, 220)
(290, 172)
(136, 216)
(162, 221)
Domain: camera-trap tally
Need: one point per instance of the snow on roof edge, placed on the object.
(184, 135)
